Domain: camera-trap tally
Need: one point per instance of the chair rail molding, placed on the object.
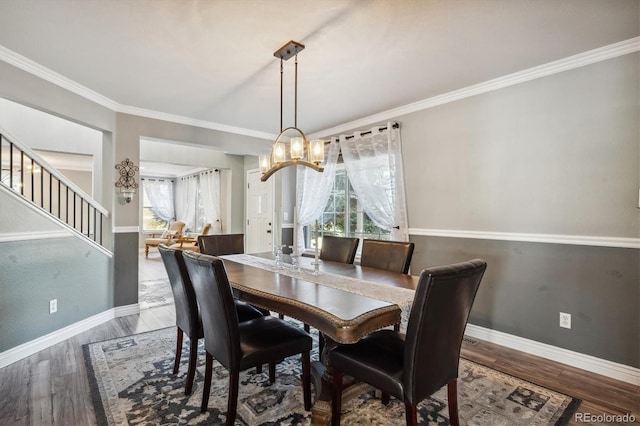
(125, 229)
(581, 240)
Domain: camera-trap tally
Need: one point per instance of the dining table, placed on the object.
(344, 302)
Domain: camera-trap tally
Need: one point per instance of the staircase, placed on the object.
(42, 186)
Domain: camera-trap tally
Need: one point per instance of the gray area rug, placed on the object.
(154, 293)
(132, 383)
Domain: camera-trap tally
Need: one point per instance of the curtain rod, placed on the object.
(395, 125)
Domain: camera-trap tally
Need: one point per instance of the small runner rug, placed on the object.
(132, 383)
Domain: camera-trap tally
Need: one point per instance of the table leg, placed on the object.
(322, 377)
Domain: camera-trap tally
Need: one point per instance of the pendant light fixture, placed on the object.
(298, 150)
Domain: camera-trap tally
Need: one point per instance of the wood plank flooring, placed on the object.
(51, 387)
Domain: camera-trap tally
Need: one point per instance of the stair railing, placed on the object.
(23, 171)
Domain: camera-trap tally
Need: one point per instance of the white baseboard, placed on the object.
(27, 349)
(590, 363)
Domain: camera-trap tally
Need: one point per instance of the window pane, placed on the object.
(151, 222)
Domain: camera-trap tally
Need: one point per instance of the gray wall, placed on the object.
(558, 155)
(36, 271)
(121, 139)
(527, 284)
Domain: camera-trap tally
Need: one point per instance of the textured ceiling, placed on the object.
(213, 60)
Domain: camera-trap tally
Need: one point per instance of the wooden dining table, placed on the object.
(342, 316)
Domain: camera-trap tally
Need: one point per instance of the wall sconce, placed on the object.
(126, 182)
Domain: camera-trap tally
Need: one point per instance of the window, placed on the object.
(150, 220)
(343, 216)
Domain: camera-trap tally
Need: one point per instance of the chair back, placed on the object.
(439, 315)
(221, 244)
(187, 317)
(339, 249)
(394, 256)
(205, 229)
(177, 227)
(217, 308)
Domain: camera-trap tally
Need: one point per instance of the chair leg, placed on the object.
(208, 370)
(307, 328)
(320, 344)
(272, 372)
(396, 327)
(306, 379)
(385, 398)
(193, 360)
(176, 364)
(281, 316)
(411, 412)
(452, 401)
(232, 402)
(336, 402)
(146, 250)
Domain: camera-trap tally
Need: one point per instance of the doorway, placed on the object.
(259, 235)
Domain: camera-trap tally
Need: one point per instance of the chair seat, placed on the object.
(266, 339)
(376, 359)
(155, 241)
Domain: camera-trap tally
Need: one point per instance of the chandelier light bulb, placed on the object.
(297, 148)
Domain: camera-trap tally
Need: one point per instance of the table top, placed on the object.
(341, 315)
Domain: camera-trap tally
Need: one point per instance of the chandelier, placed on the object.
(298, 150)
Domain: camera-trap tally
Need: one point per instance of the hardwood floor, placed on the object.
(51, 387)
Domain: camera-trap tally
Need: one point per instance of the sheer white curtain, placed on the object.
(186, 199)
(313, 188)
(160, 195)
(210, 199)
(374, 165)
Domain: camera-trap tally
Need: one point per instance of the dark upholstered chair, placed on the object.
(238, 346)
(339, 249)
(187, 315)
(394, 256)
(414, 366)
(221, 244)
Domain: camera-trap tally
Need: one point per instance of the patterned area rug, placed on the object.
(132, 383)
(154, 293)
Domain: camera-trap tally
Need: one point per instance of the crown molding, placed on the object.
(590, 57)
(26, 64)
(579, 240)
(157, 115)
(32, 67)
(576, 61)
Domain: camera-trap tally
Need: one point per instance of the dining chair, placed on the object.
(339, 249)
(393, 256)
(235, 345)
(221, 244)
(411, 367)
(187, 314)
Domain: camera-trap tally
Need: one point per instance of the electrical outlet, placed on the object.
(53, 306)
(565, 320)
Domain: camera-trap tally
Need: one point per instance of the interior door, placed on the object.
(259, 214)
